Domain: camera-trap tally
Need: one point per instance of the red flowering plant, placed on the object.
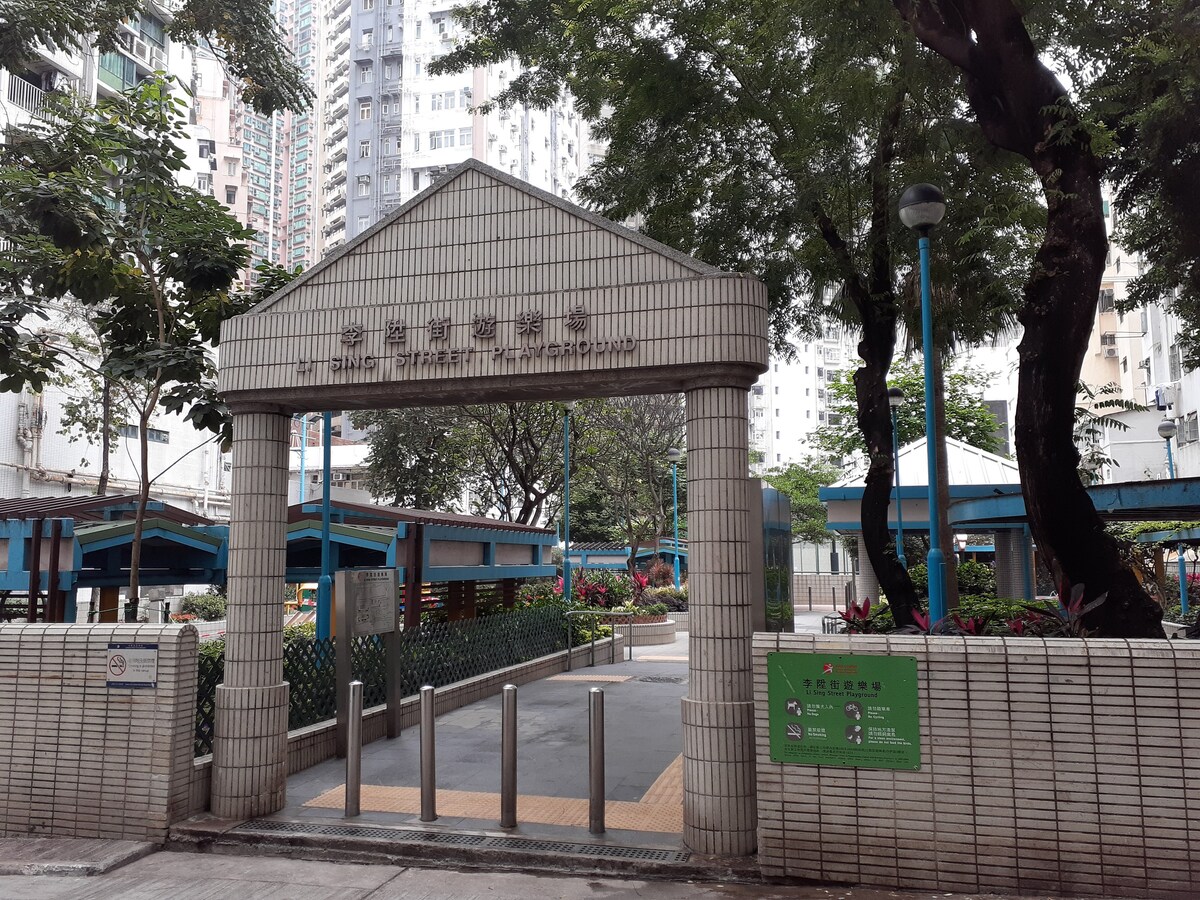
(857, 618)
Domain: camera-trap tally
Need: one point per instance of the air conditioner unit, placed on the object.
(158, 59)
(337, 476)
(141, 50)
(1111, 352)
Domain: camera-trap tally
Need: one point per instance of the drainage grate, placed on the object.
(528, 845)
(603, 850)
(425, 837)
(664, 679)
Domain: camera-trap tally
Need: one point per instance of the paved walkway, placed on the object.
(644, 766)
(170, 876)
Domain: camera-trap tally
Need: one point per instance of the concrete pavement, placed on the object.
(170, 876)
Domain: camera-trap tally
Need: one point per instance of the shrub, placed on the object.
(208, 606)
(675, 600)
(976, 578)
(659, 572)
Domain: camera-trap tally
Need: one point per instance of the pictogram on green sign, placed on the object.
(849, 710)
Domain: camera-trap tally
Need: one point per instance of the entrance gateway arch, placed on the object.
(484, 289)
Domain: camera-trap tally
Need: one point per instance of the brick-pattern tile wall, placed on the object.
(78, 759)
(1048, 766)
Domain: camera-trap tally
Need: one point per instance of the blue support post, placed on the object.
(675, 502)
(325, 584)
(567, 503)
(899, 502)
(935, 562)
(1183, 591)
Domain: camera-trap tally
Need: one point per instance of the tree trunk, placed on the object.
(139, 521)
(945, 532)
(875, 423)
(1022, 107)
(105, 439)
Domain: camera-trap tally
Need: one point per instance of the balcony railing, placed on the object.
(24, 94)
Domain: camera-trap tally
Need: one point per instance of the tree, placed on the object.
(773, 138)
(93, 211)
(622, 451)
(517, 457)
(1093, 417)
(1021, 106)
(418, 457)
(967, 419)
(244, 33)
(801, 481)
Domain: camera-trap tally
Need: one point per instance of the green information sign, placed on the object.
(850, 710)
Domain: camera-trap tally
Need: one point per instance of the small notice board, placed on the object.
(132, 666)
(844, 710)
(371, 595)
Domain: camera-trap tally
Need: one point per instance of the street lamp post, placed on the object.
(325, 582)
(674, 456)
(567, 408)
(1167, 429)
(895, 400)
(922, 206)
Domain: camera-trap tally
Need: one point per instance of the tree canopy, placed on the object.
(243, 33)
(96, 219)
(801, 481)
(774, 138)
(967, 418)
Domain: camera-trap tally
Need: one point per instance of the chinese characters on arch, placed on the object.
(443, 341)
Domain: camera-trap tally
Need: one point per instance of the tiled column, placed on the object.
(1014, 557)
(250, 746)
(866, 584)
(719, 807)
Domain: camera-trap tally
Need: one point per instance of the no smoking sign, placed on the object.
(132, 666)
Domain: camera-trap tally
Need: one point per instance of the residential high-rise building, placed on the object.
(390, 128)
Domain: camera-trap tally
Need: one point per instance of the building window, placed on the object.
(364, 149)
(1175, 359)
(464, 97)
(158, 436)
(231, 167)
(387, 147)
(464, 137)
(368, 37)
(366, 74)
(777, 412)
(364, 110)
(129, 431)
(368, 4)
(1107, 301)
(417, 142)
(364, 185)
(416, 181)
(231, 195)
(777, 386)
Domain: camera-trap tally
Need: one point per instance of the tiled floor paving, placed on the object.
(659, 810)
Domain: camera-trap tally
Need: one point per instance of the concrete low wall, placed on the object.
(80, 759)
(645, 634)
(316, 743)
(1056, 766)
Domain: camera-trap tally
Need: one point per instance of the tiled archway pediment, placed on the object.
(485, 288)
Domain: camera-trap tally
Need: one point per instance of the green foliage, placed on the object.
(674, 600)
(208, 606)
(418, 457)
(967, 419)
(975, 578)
(1093, 415)
(801, 481)
(244, 33)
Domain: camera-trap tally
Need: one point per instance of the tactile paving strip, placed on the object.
(526, 845)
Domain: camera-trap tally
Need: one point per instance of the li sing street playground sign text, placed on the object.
(851, 710)
(440, 331)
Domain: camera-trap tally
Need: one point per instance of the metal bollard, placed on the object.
(354, 750)
(428, 763)
(508, 758)
(596, 761)
(810, 598)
